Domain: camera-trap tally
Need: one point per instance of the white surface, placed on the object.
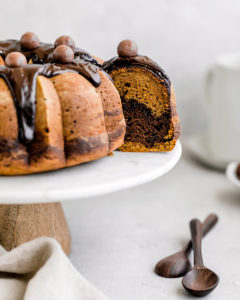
(118, 238)
(231, 173)
(106, 175)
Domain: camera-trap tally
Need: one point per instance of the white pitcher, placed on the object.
(223, 103)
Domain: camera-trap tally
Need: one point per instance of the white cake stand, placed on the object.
(30, 205)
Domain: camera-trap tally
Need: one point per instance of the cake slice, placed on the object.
(148, 101)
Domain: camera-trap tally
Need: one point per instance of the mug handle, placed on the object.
(208, 82)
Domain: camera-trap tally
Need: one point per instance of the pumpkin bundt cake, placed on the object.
(148, 101)
(58, 108)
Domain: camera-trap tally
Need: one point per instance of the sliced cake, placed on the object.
(148, 100)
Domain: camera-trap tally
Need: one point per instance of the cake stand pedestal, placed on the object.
(20, 223)
(30, 205)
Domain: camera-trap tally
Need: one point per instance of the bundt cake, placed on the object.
(58, 107)
(148, 101)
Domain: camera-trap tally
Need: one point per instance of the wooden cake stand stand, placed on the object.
(30, 205)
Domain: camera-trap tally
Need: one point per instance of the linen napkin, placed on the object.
(40, 270)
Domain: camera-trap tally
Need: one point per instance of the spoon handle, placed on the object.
(196, 233)
(207, 225)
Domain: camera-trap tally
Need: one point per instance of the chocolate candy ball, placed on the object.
(127, 48)
(63, 54)
(65, 40)
(29, 41)
(15, 60)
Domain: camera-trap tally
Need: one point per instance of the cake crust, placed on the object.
(113, 113)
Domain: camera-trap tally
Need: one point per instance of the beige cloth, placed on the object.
(39, 270)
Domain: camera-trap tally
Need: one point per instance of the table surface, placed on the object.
(118, 238)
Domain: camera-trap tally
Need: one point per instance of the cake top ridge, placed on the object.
(37, 52)
(27, 58)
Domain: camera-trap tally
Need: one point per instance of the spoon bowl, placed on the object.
(173, 266)
(178, 264)
(200, 281)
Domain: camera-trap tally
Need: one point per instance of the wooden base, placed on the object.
(22, 223)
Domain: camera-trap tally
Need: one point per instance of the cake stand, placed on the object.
(31, 204)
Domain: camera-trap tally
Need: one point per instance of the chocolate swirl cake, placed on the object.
(58, 107)
(148, 100)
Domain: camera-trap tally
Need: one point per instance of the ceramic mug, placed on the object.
(223, 104)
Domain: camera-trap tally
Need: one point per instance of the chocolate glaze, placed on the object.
(22, 81)
(138, 61)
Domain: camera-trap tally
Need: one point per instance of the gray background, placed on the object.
(183, 36)
(118, 238)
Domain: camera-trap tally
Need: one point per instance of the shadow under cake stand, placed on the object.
(30, 206)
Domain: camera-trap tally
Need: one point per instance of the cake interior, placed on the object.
(146, 108)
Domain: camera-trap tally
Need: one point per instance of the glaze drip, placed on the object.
(22, 80)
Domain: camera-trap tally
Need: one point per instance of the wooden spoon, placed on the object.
(178, 264)
(200, 281)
